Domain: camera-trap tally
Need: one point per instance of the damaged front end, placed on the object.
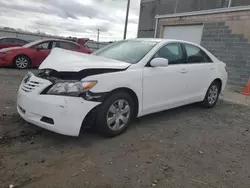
(71, 84)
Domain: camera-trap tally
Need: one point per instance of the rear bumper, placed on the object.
(60, 114)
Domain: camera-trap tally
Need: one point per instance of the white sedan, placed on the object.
(124, 80)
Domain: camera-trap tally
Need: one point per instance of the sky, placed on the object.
(78, 18)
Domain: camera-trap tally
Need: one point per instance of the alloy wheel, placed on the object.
(22, 62)
(213, 94)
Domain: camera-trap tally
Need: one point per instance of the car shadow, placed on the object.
(27, 132)
(89, 136)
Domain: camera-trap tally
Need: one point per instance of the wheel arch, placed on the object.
(219, 81)
(90, 119)
(132, 94)
(13, 61)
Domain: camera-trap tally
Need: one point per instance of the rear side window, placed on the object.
(20, 41)
(66, 45)
(173, 52)
(8, 40)
(196, 55)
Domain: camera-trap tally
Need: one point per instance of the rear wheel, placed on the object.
(212, 95)
(22, 62)
(115, 114)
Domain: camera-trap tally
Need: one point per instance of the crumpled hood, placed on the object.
(10, 48)
(65, 60)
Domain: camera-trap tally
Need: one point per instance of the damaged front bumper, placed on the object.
(60, 114)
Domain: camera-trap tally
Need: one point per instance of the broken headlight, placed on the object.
(71, 88)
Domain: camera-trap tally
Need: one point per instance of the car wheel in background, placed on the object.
(115, 114)
(22, 62)
(212, 95)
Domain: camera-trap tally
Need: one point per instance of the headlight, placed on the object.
(71, 88)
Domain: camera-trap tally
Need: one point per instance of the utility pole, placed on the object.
(126, 21)
(98, 34)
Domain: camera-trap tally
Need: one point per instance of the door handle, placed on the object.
(184, 71)
(212, 68)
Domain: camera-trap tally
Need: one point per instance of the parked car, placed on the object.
(124, 80)
(34, 53)
(6, 42)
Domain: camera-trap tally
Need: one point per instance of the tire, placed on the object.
(118, 109)
(212, 95)
(22, 62)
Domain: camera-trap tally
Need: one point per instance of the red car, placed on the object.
(6, 42)
(34, 53)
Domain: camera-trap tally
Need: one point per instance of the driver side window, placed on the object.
(173, 52)
(44, 45)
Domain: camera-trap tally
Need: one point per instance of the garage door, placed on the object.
(191, 33)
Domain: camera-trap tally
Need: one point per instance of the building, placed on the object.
(221, 26)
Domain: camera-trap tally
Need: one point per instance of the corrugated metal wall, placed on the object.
(150, 8)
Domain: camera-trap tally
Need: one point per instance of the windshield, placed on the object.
(127, 51)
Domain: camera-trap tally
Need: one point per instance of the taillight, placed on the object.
(226, 68)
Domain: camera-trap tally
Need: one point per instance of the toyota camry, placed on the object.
(114, 85)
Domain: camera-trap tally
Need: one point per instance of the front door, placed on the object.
(164, 87)
(41, 51)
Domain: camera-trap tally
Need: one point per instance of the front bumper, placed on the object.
(4, 62)
(60, 114)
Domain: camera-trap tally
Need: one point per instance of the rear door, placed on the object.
(201, 70)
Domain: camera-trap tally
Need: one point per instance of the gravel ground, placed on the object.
(186, 147)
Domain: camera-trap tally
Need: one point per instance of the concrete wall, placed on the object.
(150, 8)
(32, 37)
(227, 36)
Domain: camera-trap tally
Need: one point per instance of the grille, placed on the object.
(30, 86)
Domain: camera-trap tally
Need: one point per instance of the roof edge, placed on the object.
(204, 12)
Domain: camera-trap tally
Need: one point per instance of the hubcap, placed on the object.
(21, 62)
(118, 115)
(212, 94)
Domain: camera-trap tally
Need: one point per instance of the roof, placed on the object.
(149, 39)
(10, 38)
(161, 40)
(205, 12)
(52, 40)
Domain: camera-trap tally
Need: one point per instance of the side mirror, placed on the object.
(159, 62)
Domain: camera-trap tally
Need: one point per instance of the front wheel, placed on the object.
(115, 114)
(212, 95)
(21, 62)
